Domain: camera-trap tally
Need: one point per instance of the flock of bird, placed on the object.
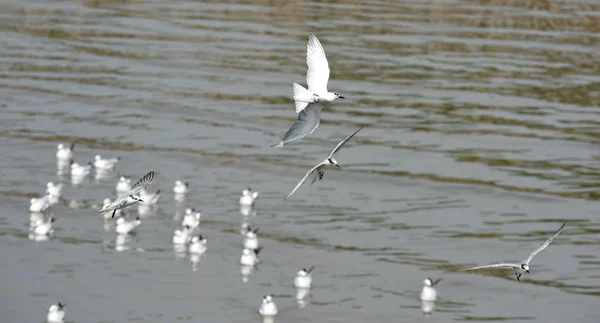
(309, 104)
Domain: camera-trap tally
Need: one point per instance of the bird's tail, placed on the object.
(302, 97)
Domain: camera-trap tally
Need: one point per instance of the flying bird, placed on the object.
(523, 267)
(318, 171)
(317, 77)
(131, 197)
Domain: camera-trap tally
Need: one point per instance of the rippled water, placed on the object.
(481, 136)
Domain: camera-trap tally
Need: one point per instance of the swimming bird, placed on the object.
(123, 185)
(44, 226)
(523, 267)
(181, 187)
(304, 278)
(250, 257)
(40, 204)
(64, 153)
(198, 245)
(191, 219)
(428, 293)
(131, 197)
(317, 77)
(56, 313)
(54, 190)
(81, 170)
(319, 169)
(248, 197)
(182, 236)
(105, 164)
(251, 240)
(268, 307)
(127, 227)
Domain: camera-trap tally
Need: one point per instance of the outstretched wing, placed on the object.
(342, 143)
(542, 247)
(312, 170)
(503, 265)
(317, 75)
(308, 121)
(141, 184)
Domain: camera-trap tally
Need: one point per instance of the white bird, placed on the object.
(317, 77)
(182, 236)
(319, 169)
(251, 240)
(250, 257)
(131, 197)
(81, 170)
(268, 307)
(181, 187)
(108, 163)
(44, 226)
(248, 197)
(523, 267)
(304, 278)
(149, 198)
(56, 313)
(428, 293)
(191, 219)
(198, 245)
(40, 204)
(64, 153)
(126, 227)
(54, 189)
(123, 185)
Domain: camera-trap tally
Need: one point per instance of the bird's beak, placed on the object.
(527, 271)
(338, 166)
(341, 97)
(140, 200)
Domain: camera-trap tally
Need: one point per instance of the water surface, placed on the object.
(481, 137)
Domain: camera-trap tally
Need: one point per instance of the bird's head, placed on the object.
(338, 96)
(333, 162)
(525, 267)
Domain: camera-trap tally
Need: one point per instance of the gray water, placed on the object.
(481, 137)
